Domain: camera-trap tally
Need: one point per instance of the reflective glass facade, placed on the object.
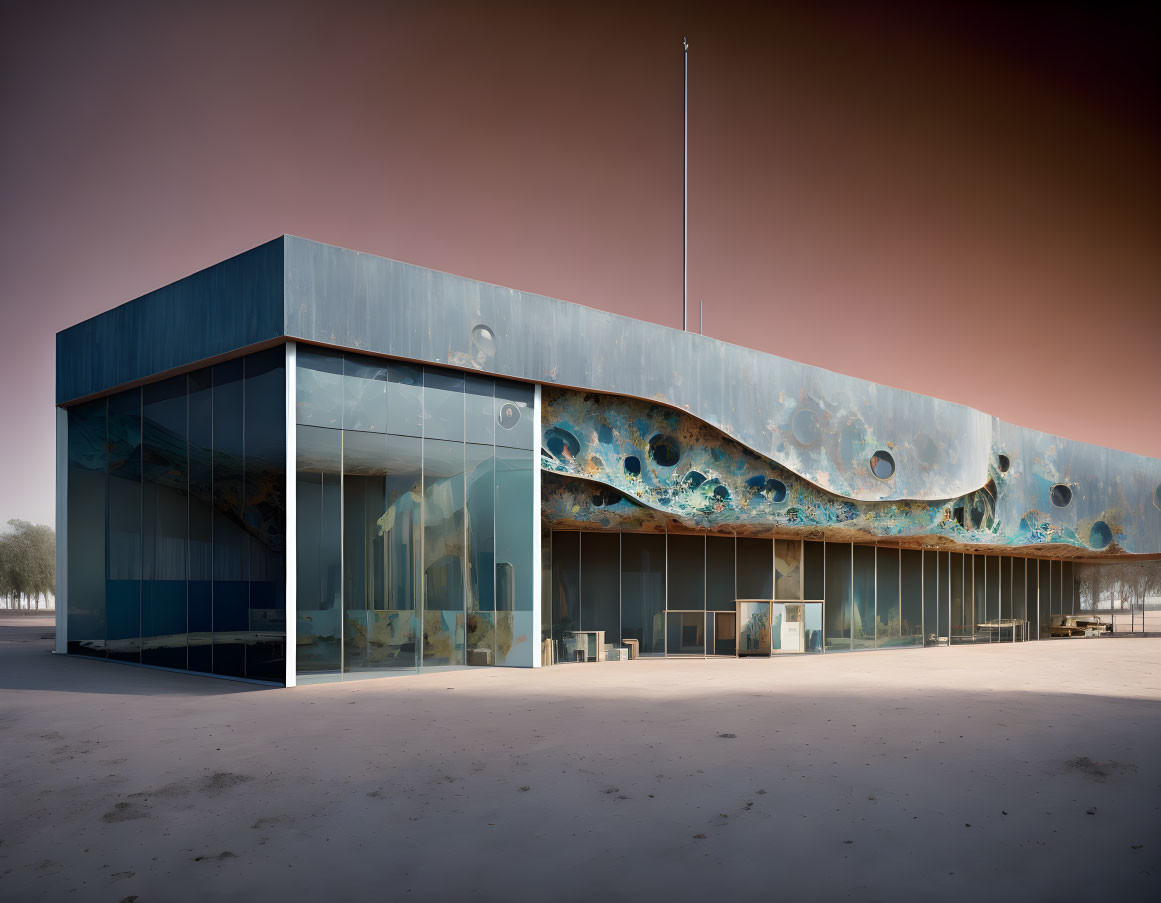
(415, 517)
(824, 596)
(176, 526)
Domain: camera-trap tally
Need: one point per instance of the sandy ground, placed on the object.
(1028, 772)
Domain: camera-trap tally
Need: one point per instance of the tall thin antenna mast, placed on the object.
(685, 200)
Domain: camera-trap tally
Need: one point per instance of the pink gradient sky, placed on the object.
(964, 203)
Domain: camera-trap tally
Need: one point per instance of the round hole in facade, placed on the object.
(557, 440)
(484, 339)
(776, 490)
(804, 426)
(694, 478)
(664, 450)
(1100, 535)
(633, 466)
(721, 493)
(1060, 495)
(1003, 463)
(509, 415)
(882, 465)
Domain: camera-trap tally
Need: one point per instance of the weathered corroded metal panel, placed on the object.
(229, 306)
(821, 425)
(668, 469)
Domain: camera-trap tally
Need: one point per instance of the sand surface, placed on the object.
(1028, 772)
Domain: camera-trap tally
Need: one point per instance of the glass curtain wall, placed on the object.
(176, 522)
(415, 520)
(807, 595)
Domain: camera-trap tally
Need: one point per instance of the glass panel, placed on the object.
(838, 596)
(787, 569)
(961, 630)
(515, 523)
(686, 572)
(910, 597)
(480, 409)
(1004, 630)
(443, 536)
(992, 598)
(404, 399)
(364, 393)
(123, 587)
(1019, 599)
(686, 633)
(319, 566)
(887, 631)
(164, 475)
(1034, 620)
(443, 404)
(813, 626)
(787, 633)
(364, 552)
(514, 403)
(814, 570)
(863, 611)
(754, 628)
(566, 591)
(392, 630)
(724, 637)
(265, 513)
(978, 580)
(1067, 589)
(932, 635)
(86, 528)
(201, 521)
(319, 384)
(719, 574)
(545, 595)
(481, 476)
(642, 590)
(601, 584)
(231, 541)
(755, 570)
(943, 597)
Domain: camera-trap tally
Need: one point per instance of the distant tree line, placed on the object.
(1124, 586)
(27, 565)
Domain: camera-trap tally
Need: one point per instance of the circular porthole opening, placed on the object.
(694, 478)
(664, 450)
(633, 466)
(558, 440)
(1060, 495)
(721, 493)
(882, 465)
(925, 449)
(804, 426)
(1003, 462)
(484, 339)
(776, 490)
(509, 415)
(1100, 535)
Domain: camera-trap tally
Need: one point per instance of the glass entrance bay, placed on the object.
(415, 516)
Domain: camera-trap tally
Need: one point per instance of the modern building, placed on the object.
(308, 463)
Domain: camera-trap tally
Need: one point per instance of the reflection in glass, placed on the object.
(86, 528)
(755, 569)
(164, 474)
(364, 555)
(566, 591)
(719, 574)
(231, 541)
(754, 627)
(686, 633)
(888, 629)
(123, 565)
(200, 650)
(979, 587)
(393, 631)
(813, 570)
(642, 590)
(364, 394)
(319, 380)
(863, 609)
(838, 596)
(686, 580)
(787, 569)
(911, 578)
(513, 414)
(600, 584)
(961, 631)
(404, 399)
(443, 404)
(480, 409)
(319, 553)
(444, 522)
